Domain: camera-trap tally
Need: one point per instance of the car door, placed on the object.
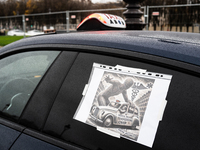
(60, 122)
(48, 116)
(26, 76)
(9, 133)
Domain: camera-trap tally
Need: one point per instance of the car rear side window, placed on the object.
(19, 76)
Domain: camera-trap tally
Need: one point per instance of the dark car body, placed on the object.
(45, 119)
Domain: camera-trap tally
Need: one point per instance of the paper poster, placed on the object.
(124, 102)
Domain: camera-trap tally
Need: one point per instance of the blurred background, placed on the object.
(32, 17)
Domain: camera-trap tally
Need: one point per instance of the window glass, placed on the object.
(19, 76)
(131, 110)
(114, 104)
(123, 108)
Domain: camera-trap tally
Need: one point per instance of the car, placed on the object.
(34, 32)
(43, 79)
(116, 113)
(2, 31)
(16, 32)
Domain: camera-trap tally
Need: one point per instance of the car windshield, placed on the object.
(114, 104)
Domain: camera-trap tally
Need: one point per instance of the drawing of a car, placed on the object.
(116, 113)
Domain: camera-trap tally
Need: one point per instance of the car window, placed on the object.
(123, 108)
(60, 122)
(114, 104)
(131, 110)
(19, 76)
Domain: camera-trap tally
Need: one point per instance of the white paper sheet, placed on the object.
(125, 103)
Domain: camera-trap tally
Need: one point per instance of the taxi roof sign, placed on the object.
(100, 21)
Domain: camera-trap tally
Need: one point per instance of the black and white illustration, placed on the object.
(124, 102)
(120, 103)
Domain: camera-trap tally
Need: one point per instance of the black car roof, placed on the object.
(174, 45)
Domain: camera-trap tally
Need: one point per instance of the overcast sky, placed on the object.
(103, 1)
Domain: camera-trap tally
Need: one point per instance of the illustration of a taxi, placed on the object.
(116, 114)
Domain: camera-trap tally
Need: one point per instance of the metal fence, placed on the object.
(165, 17)
(60, 21)
(178, 18)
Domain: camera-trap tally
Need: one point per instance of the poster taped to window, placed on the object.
(124, 102)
